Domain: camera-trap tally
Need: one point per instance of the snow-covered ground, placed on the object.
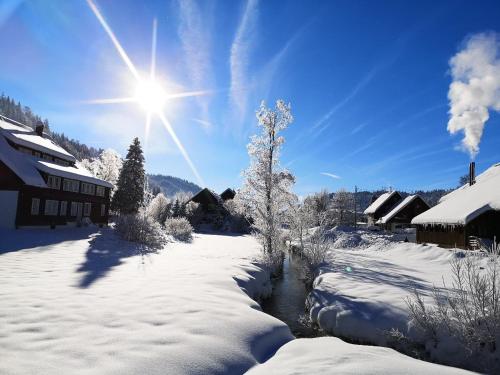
(361, 292)
(77, 301)
(330, 355)
(73, 301)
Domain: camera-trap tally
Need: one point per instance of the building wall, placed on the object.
(404, 217)
(442, 235)
(8, 204)
(26, 194)
(486, 225)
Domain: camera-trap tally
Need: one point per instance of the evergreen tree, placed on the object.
(129, 195)
(176, 209)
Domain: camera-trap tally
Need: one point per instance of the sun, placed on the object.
(150, 96)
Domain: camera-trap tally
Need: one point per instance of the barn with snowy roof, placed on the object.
(469, 212)
(403, 212)
(42, 184)
(381, 205)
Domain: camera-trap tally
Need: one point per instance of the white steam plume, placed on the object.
(475, 88)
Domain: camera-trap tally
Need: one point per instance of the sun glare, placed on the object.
(151, 96)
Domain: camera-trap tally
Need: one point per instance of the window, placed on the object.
(35, 206)
(74, 208)
(37, 154)
(47, 157)
(51, 207)
(61, 162)
(54, 182)
(103, 210)
(71, 185)
(88, 188)
(64, 208)
(25, 150)
(86, 209)
(100, 191)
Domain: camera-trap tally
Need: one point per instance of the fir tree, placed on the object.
(129, 195)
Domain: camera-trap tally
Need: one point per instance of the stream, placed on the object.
(287, 302)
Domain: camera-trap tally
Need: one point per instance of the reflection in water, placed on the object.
(287, 302)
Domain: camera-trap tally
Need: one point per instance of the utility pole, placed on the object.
(355, 208)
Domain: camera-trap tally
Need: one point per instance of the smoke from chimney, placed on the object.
(475, 89)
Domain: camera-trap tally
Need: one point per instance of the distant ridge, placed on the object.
(170, 185)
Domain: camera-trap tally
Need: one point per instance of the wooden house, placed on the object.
(381, 206)
(401, 215)
(41, 183)
(208, 200)
(466, 213)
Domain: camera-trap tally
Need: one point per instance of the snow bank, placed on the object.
(361, 293)
(330, 355)
(75, 301)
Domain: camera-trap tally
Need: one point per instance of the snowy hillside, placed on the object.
(170, 185)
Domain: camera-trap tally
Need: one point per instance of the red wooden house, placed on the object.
(42, 184)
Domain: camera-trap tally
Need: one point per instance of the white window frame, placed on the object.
(103, 210)
(88, 189)
(87, 209)
(35, 206)
(54, 182)
(51, 207)
(47, 157)
(63, 209)
(100, 191)
(71, 185)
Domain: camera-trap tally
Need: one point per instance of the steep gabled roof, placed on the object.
(467, 202)
(25, 136)
(372, 208)
(398, 208)
(206, 193)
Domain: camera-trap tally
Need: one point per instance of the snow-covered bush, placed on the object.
(179, 228)
(316, 248)
(159, 209)
(142, 229)
(462, 326)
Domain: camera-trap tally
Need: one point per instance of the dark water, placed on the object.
(290, 291)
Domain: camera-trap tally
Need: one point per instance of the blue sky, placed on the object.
(368, 83)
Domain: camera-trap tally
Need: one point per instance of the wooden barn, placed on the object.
(469, 212)
(381, 206)
(41, 184)
(402, 214)
(208, 200)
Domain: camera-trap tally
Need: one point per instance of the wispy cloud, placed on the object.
(331, 175)
(239, 59)
(196, 43)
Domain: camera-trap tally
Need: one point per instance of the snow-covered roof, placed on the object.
(405, 202)
(25, 136)
(467, 202)
(27, 167)
(77, 172)
(20, 164)
(372, 208)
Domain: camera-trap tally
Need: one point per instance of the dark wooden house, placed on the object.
(381, 206)
(41, 183)
(228, 194)
(469, 212)
(401, 215)
(208, 200)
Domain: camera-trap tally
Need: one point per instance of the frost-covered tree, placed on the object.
(160, 208)
(318, 204)
(129, 195)
(106, 167)
(301, 218)
(267, 188)
(343, 207)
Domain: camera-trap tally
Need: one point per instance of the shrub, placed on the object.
(142, 229)
(179, 228)
(160, 208)
(316, 248)
(465, 317)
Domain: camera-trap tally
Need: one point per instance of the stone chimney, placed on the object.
(472, 173)
(39, 128)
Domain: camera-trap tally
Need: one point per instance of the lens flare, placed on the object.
(150, 96)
